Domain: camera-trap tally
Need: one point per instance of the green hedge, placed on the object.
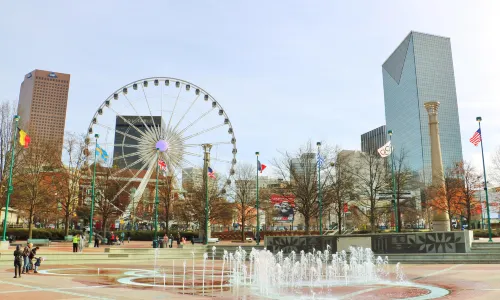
(148, 235)
(484, 233)
(51, 234)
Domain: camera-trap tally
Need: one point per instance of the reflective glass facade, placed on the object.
(421, 70)
(374, 139)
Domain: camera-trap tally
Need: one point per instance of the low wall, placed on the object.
(386, 243)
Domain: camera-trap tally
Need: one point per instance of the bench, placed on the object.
(68, 238)
(210, 240)
(39, 242)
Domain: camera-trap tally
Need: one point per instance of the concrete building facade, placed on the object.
(43, 101)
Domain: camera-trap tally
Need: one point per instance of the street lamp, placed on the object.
(157, 200)
(257, 235)
(479, 119)
(93, 193)
(206, 150)
(396, 215)
(320, 202)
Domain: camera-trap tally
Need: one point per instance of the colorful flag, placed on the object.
(320, 160)
(476, 138)
(261, 167)
(385, 150)
(163, 166)
(211, 173)
(24, 138)
(102, 153)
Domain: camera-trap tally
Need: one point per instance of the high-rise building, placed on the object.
(418, 71)
(43, 100)
(374, 139)
(126, 137)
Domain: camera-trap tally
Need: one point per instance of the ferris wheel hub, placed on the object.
(162, 145)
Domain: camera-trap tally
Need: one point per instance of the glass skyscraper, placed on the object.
(418, 71)
(374, 139)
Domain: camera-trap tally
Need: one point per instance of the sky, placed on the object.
(286, 72)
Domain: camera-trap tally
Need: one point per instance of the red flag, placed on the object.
(261, 167)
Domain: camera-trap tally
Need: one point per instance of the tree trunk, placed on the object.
(104, 224)
(167, 215)
(339, 220)
(307, 219)
(400, 222)
(66, 223)
(243, 226)
(469, 213)
(372, 220)
(30, 225)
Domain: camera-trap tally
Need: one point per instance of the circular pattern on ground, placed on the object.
(218, 282)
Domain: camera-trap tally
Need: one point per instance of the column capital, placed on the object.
(432, 107)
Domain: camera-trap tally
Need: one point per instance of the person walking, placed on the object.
(81, 243)
(18, 260)
(122, 237)
(31, 257)
(97, 238)
(171, 238)
(26, 253)
(76, 240)
(128, 237)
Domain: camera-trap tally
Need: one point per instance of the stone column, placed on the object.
(440, 219)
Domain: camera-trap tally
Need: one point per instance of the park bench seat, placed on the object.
(68, 238)
(39, 242)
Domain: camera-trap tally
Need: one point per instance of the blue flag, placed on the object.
(101, 153)
(320, 160)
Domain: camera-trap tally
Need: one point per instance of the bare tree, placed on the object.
(370, 173)
(34, 193)
(301, 168)
(106, 204)
(245, 191)
(67, 186)
(218, 207)
(496, 165)
(404, 181)
(340, 186)
(165, 195)
(469, 177)
(7, 112)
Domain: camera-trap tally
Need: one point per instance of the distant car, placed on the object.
(249, 239)
(51, 226)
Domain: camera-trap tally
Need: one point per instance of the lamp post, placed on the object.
(10, 188)
(257, 235)
(396, 214)
(206, 150)
(479, 119)
(157, 200)
(93, 193)
(320, 202)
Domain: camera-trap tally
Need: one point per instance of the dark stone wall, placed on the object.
(429, 242)
(425, 242)
(300, 243)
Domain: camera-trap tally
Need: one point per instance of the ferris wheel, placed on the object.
(166, 121)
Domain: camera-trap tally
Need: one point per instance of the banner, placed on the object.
(284, 206)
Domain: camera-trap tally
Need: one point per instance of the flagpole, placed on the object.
(206, 148)
(157, 201)
(10, 188)
(257, 235)
(479, 119)
(91, 225)
(395, 208)
(320, 202)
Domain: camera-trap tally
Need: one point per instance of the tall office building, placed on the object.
(372, 140)
(125, 136)
(43, 100)
(418, 71)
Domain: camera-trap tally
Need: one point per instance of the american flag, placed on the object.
(211, 173)
(476, 138)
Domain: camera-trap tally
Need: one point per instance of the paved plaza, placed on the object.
(135, 281)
